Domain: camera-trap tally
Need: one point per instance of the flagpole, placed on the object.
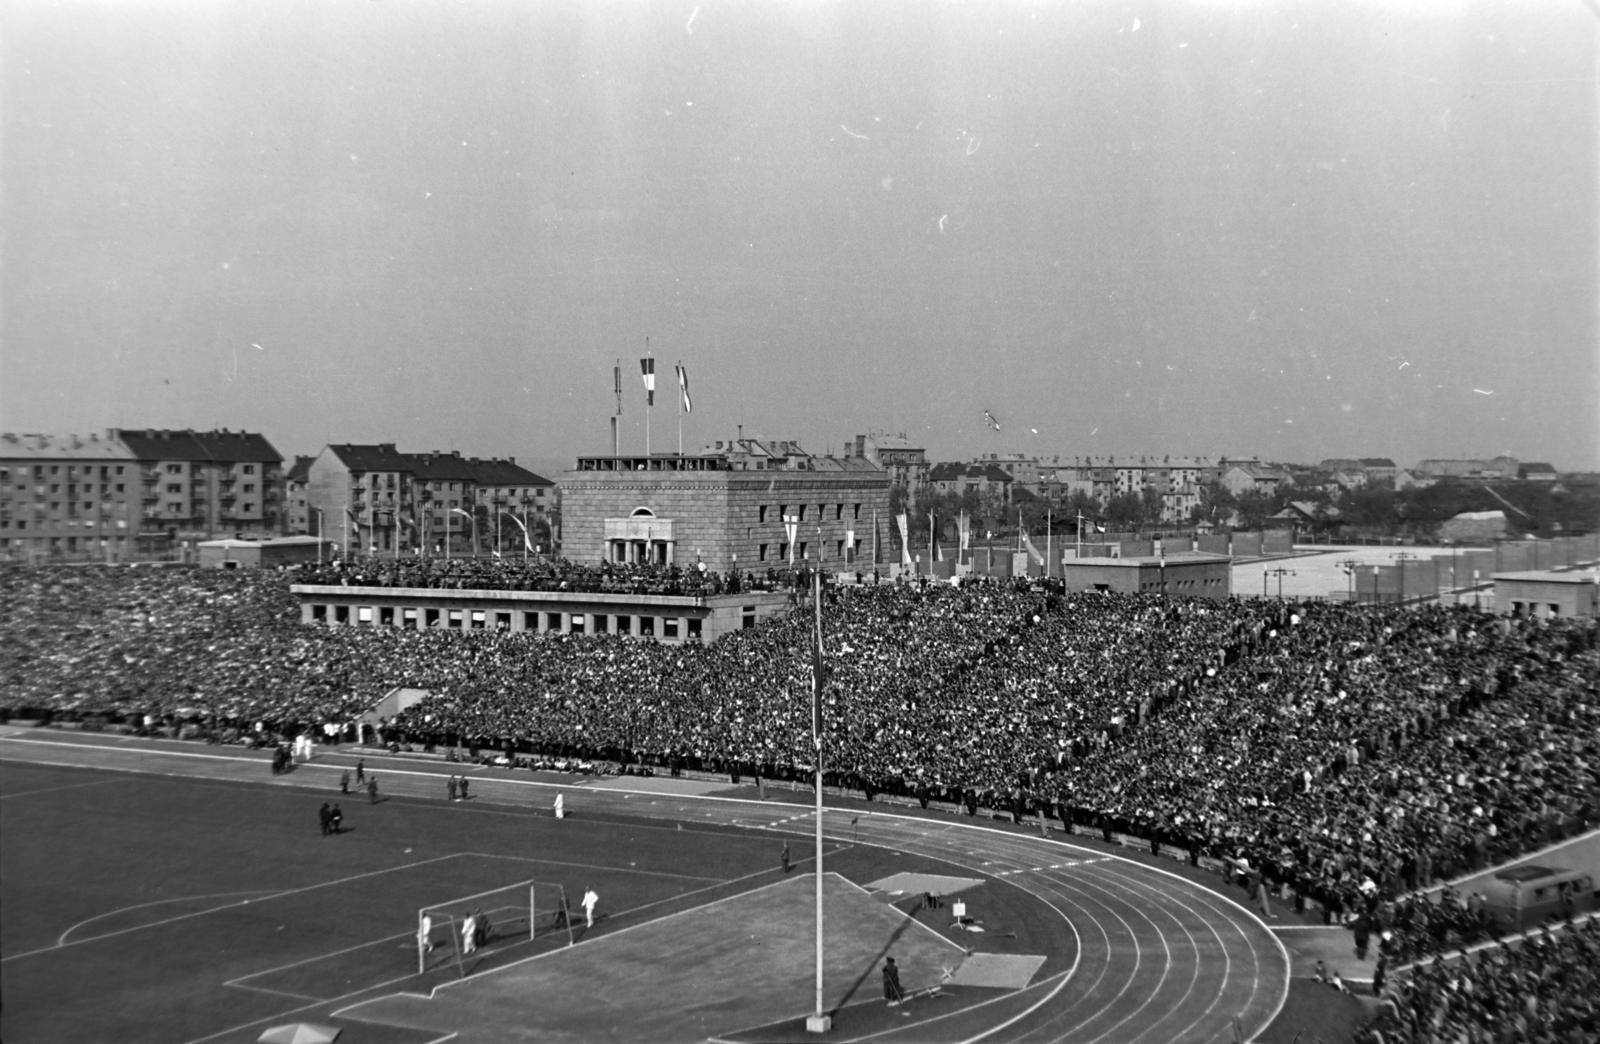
(680, 407)
(1049, 521)
(818, 1023)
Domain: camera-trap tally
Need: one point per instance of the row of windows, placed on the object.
(801, 548)
(671, 627)
(821, 513)
(72, 523)
(88, 470)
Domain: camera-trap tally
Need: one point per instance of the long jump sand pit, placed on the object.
(747, 960)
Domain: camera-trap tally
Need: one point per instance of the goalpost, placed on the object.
(516, 913)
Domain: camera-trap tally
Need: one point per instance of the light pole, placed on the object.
(1403, 557)
(1280, 573)
(1349, 566)
(320, 523)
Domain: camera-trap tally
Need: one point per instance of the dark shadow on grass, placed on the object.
(854, 986)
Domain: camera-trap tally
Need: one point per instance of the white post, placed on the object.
(819, 1022)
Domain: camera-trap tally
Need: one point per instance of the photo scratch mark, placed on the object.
(688, 26)
(852, 133)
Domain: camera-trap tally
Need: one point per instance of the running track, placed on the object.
(1161, 959)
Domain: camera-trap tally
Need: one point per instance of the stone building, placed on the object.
(708, 508)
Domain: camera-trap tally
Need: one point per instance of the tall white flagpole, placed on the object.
(679, 376)
(819, 1022)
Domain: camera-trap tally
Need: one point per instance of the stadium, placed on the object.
(1064, 816)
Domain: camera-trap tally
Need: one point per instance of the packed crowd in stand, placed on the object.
(1345, 755)
(1541, 991)
(538, 574)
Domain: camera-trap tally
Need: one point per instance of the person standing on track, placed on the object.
(785, 857)
(450, 788)
(325, 814)
(891, 983)
(344, 782)
(372, 790)
(590, 900)
(338, 819)
(361, 771)
(462, 786)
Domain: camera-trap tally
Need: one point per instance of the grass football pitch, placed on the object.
(156, 908)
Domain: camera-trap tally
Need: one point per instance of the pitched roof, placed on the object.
(440, 467)
(1377, 462)
(381, 457)
(66, 447)
(301, 471)
(495, 472)
(222, 447)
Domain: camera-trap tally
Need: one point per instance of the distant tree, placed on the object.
(1254, 508)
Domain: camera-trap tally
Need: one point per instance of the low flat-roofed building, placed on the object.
(1185, 574)
(260, 554)
(665, 618)
(1548, 592)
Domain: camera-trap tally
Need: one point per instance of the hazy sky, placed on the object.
(1294, 230)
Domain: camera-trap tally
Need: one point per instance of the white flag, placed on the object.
(683, 389)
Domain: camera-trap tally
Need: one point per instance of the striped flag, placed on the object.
(616, 377)
(648, 368)
(683, 388)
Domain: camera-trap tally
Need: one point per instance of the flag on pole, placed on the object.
(905, 539)
(964, 528)
(683, 388)
(1033, 552)
(616, 376)
(648, 368)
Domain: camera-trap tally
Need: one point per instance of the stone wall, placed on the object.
(719, 514)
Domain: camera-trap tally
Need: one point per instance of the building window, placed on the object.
(386, 615)
(455, 618)
(669, 627)
(341, 614)
(319, 613)
(761, 513)
(749, 620)
(577, 623)
(478, 620)
(647, 627)
(783, 551)
(364, 614)
(174, 469)
(530, 621)
(838, 512)
(552, 622)
(624, 624)
(694, 627)
(408, 618)
(801, 550)
(600, 622)
(802, 512)
(761, 553)
(430, 617)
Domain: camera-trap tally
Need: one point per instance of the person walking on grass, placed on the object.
(325, 814)
(891, 983)
(338, 819)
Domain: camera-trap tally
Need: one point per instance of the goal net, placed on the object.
(464, 929)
